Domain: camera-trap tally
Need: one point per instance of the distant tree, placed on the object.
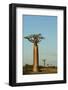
(47, 64)
(44, 62)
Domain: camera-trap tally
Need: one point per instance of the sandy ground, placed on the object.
(42, 70)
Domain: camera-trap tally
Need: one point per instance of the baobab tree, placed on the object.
(35, 39)
(44, 60)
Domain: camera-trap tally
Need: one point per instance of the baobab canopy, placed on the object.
(34, 38)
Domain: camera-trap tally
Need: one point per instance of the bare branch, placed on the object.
(34, 38)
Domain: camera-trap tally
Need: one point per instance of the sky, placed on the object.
(47, 26)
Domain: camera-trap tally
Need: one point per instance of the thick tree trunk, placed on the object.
(35, 58)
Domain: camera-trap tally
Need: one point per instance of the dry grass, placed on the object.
(27, 70)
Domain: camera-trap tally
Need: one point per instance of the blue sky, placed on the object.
(47, 26)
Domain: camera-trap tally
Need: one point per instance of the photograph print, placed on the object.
(40, 44)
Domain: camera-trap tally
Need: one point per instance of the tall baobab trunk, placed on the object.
(35, 58)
